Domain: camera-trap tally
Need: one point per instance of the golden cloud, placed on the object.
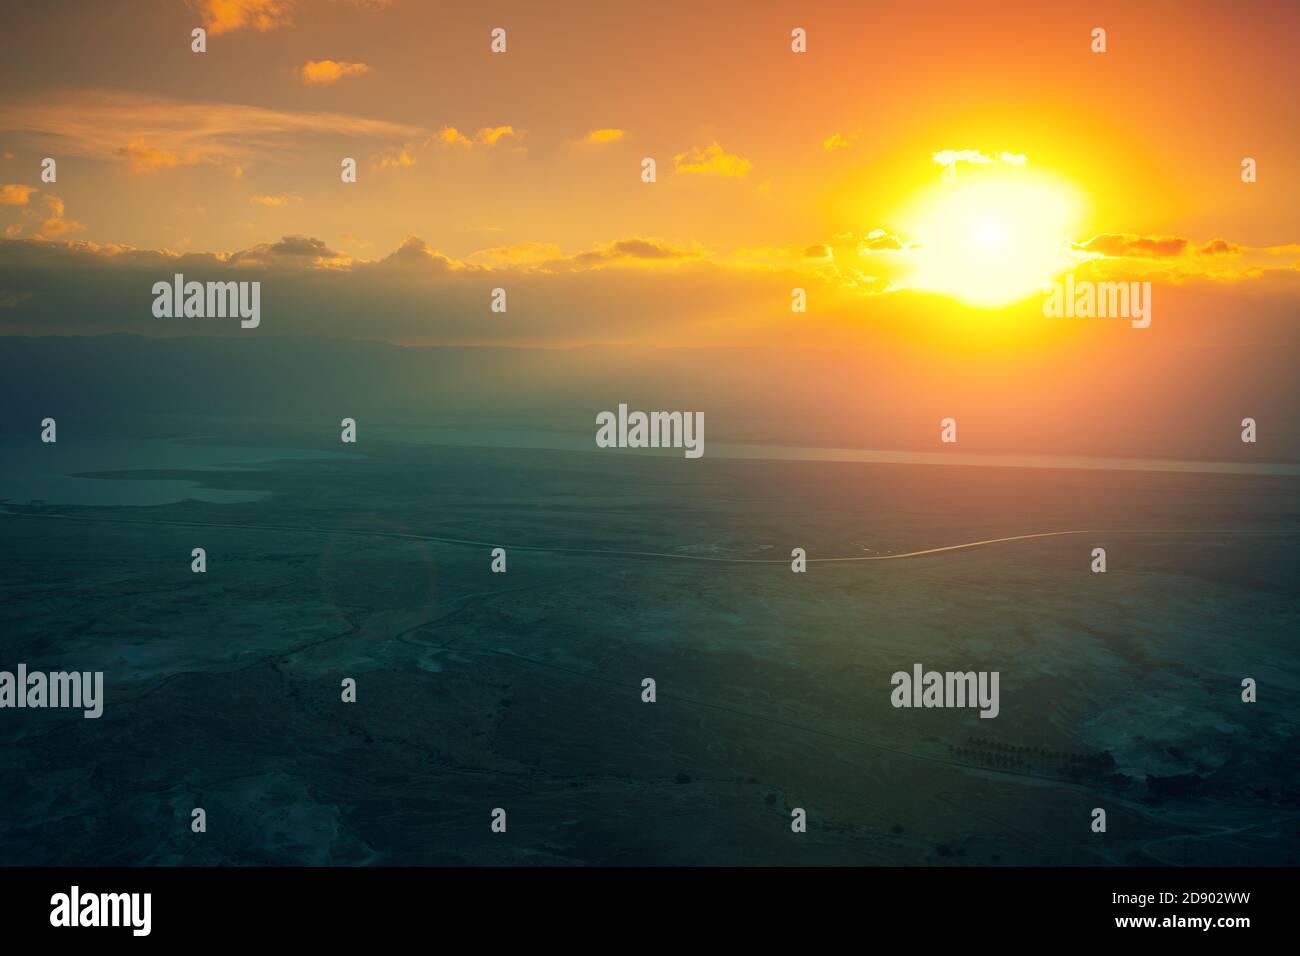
(453, 137)
(598, 137)
(489, 136)
(519, 253)
(486, 136)
(144, 158)
(331, 71)
(50, 218)
(227, 16)
(89, 122)
(712, 160)
(12, 194)
(396, 159)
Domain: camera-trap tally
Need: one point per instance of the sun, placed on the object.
(991, 237)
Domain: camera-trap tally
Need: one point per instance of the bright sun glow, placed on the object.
(992, 238)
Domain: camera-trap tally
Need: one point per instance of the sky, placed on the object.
(923, 171)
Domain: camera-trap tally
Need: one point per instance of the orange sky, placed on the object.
(522, 169)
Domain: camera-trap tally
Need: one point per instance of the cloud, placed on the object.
(290, 252)
(301, 246)
(396, 158)
(415, 293)
(951, 157)
(1124, 245)
(13, 194)
(149, 132)
(852, 279)
(1128, 246)
(712, 160)
(486, 136)
(818, 251)
(599, 137)
(1177, 258)
(839, 141)
(50, 216)
(489, 136)
(1220, 247)
(638, 289)
(331, 71)
(274, 200)
(451, 136)
(623, 250)
(143, 158)
(880, 241)
(227, 16)
(230, 16)
(647, 249)
(521, 253)
(45, 213)
(415, 255)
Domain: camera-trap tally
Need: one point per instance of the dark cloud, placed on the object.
(415, 294)
(294, 251)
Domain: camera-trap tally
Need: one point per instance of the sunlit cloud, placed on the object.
(1117, 245)
(600, 137)
(227, 16)
(48, 213)
(519, 253)
(143, 158)
(331, 71)
(451, 136)
(950, 158)
(712, 160)
(153, 132)
(486, 136)
(13, 194)
(396, 158)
